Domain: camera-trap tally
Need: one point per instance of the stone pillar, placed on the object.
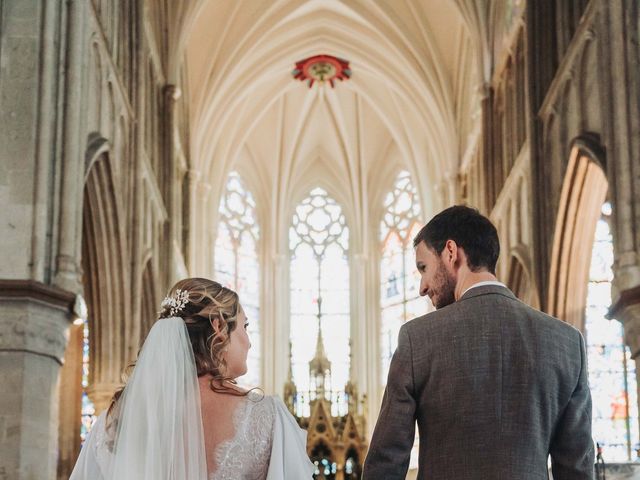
(358, 327)
(173, 263)
(280, 325)
(365, 334)
(618, 42)
(202, 234)
(620, 58)
(67, 266)
(35, 318)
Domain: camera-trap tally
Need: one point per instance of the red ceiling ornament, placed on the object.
(322, 68)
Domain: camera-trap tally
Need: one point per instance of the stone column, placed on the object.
(169, 182)
(365, 332)
(620, 58)
(40, 190)
(67, 265)
(274, 317)
(35, 318)
(358, 318)
(618, 41)
(280, 325)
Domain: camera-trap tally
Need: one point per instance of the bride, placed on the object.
(181, 415)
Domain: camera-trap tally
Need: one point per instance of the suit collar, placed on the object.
(481, 284)
(487, 290)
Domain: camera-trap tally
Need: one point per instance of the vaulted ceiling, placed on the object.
(412, 102)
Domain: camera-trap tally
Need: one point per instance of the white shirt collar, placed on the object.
(482, 284)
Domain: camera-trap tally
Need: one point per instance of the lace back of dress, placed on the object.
(246, 455)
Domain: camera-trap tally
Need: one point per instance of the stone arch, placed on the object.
(519, 276)
(105, 283)
(584, 191)
(96, 147)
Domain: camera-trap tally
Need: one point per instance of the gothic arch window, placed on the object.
(108, 325)
(237, 263)
(399, 281)
(319, 273)
(88, 411)
(612, 375)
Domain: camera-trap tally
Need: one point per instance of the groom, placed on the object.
(494, 385)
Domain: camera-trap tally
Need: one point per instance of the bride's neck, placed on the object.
(224, 387)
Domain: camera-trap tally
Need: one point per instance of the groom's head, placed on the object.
(457, 240)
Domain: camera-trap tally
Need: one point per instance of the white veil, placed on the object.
(159, 425)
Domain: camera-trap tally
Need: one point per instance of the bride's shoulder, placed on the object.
(271, 405)
(258, 396)
(261, 401)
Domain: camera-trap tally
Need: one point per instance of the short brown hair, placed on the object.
(467, 227)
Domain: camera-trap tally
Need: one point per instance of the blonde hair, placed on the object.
(206, 300)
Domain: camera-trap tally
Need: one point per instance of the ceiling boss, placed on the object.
(321, 68)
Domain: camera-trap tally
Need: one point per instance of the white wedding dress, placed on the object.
(157, 432)
(268, 444)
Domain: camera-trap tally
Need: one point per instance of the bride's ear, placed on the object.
(214, 319)
(215, 325)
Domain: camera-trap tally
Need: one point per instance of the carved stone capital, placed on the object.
(34, 318)
(626, 270)
(627, 310)
(68, 274)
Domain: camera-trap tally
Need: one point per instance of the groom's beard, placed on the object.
(444, 288)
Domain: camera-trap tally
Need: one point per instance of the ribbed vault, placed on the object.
(411, 102)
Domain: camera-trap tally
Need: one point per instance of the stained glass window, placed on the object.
(612, 376)
(399, 280)
(319, 242)
(88, 411)
(236, 262)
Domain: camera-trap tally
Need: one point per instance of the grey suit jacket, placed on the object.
(494, 386)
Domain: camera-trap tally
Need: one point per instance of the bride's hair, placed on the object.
(206, 300)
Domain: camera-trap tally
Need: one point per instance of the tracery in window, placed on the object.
(237, 264)
(399, 281)
(319, 272)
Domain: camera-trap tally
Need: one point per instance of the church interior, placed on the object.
(291, 149)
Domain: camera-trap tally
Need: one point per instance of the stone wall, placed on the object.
(92, 186)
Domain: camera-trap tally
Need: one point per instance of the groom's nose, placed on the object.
(423, 287)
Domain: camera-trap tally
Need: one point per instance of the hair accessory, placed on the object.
(176, 302)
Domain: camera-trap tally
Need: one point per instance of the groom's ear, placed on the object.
(450, 253)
